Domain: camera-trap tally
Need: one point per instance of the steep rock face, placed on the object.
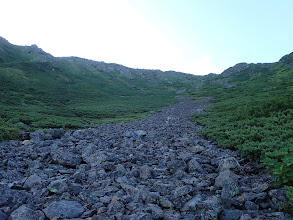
(155, 168)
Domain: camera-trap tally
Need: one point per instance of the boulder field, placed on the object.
(154, 168)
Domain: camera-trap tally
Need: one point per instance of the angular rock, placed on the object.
(210, 209)
(196, 149)
(194, 166)
(141, 133)
(64, 209)
(115, 207)
(245, 217)
(58, 186)
(155, 211)
(145, 172)
(224, 177)
(12, 198)
(230, 189)
(174, 165)
(172, 215)
(227, 214)
(229, 164)
(191, 205)
(165, 203)
(182, 190)
(3, 216)
(251, 205)
(37, 136)
(25, 213)
(32, 181)
(26, 142)
(67, 159)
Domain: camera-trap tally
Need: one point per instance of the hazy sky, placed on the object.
(193, 36)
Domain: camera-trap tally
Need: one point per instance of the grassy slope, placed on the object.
(45, 92)
(253, 113)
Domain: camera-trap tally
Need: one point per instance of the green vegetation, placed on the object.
(289, 193)
(42, 91)
(252, 113)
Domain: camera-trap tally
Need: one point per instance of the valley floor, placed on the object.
(154, 168)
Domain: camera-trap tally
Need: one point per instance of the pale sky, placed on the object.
(192, 36)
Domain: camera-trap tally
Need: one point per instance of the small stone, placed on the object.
(260, 188)
(58, 186)
(88, 213)
(174, 165)
(172, 215)
(152, 197)
(194, 166)
(26, 142)
(114, 199)
(228, 214)
(105, 199)
(145, 172)
(116, 207)
(196, 149)
(245, 217)
(191, 204)
(141, 133)
(165, 203)
(155, 211)
(182, 190)
(142, 216)
(251, 205)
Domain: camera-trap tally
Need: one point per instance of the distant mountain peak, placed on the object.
(3, 39)
(287, 60)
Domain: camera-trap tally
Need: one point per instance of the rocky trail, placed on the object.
(155, 168)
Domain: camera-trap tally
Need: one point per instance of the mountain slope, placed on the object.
(42, 91)
(253, 114)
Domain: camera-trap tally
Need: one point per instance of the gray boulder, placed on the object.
(229, 164)
(32, 181)
(224, 177)
(66, 159)
(25, 213)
